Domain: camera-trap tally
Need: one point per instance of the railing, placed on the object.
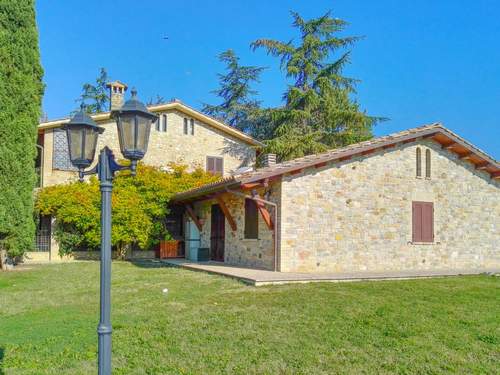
(42, 240)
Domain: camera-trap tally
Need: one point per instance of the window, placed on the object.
(158, 123)
(192, 126)
(60, 157)
(164, 125)
(251, 219)
(215, 165)
(428, 163)
(185, 125)
(423, 222)
(419, 162)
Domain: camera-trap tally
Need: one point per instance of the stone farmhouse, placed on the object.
(181, 135)
(420, 200)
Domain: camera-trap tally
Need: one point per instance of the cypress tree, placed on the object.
(21, 90)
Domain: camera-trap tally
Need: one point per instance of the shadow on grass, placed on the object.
(2, 351)
(151, 263)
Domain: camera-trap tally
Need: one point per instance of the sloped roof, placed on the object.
(174, 105)
(437, 132)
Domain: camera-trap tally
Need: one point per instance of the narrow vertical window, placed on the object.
(185, 125)
(164, 125)
(158, 123)
(428, 163)
(419, 162)
(192, 126)
(251, 219)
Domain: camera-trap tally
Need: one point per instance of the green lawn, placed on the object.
(209, 324)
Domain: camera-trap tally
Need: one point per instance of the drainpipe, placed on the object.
(275, 221)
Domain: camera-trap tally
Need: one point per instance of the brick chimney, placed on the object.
(117, 94)
(268, 160)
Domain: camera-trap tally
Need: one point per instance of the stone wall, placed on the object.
(256, 253)
(165, 147)
(357, 215)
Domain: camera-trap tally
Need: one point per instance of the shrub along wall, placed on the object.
(21, 90)
(139, 207)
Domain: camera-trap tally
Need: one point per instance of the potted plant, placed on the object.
(168, 246)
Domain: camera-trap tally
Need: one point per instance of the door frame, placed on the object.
(217, 233)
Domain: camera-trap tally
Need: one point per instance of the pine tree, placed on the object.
(319, 112)
(238, 105)
(21, 91)
(95, 97)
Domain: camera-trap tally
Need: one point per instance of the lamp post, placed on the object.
(134, 125)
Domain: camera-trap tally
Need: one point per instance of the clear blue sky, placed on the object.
(420, 62)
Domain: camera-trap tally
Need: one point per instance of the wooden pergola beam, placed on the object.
(466, 156)
(250, 186)
(495, 174)
(266, 216)
(449, 145)
(193, 217)
(483, 165)
(227, 213)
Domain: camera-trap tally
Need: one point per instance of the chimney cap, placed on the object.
(117, 84)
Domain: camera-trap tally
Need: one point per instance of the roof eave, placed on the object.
(105, 116)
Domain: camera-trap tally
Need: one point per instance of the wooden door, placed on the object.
(217, 234)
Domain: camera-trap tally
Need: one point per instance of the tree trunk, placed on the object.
(3, 259)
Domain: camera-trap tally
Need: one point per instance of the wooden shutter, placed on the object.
(219, 169)
(423, 222)
(215, 165)
(251, 219)
(210, 164)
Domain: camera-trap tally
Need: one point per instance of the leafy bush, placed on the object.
(139, 207)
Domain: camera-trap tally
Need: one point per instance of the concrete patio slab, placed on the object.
(258, 277)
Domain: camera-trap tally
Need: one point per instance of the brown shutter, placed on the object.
(251, 219)
(210, 164)
(218, 166)
(423, 222)
(417, 222)
(427, 222)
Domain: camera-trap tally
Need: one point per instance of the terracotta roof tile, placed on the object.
(332, 155)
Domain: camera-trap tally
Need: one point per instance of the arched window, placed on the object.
(419, 162)
(428, 163)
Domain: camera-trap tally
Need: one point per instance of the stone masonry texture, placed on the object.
(165, 147)
(356, 215)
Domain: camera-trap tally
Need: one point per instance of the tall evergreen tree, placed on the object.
(319, 112)
(238, 105)
(21, 91)
(95, 97)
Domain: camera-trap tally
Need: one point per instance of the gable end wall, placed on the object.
(357, 215)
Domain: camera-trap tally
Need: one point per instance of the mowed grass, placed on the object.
(208, 324)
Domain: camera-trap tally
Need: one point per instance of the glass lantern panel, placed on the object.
(76, 142)
(143, 129)
(127, 136)
(90, 144)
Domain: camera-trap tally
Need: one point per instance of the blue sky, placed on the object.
(420, 61)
